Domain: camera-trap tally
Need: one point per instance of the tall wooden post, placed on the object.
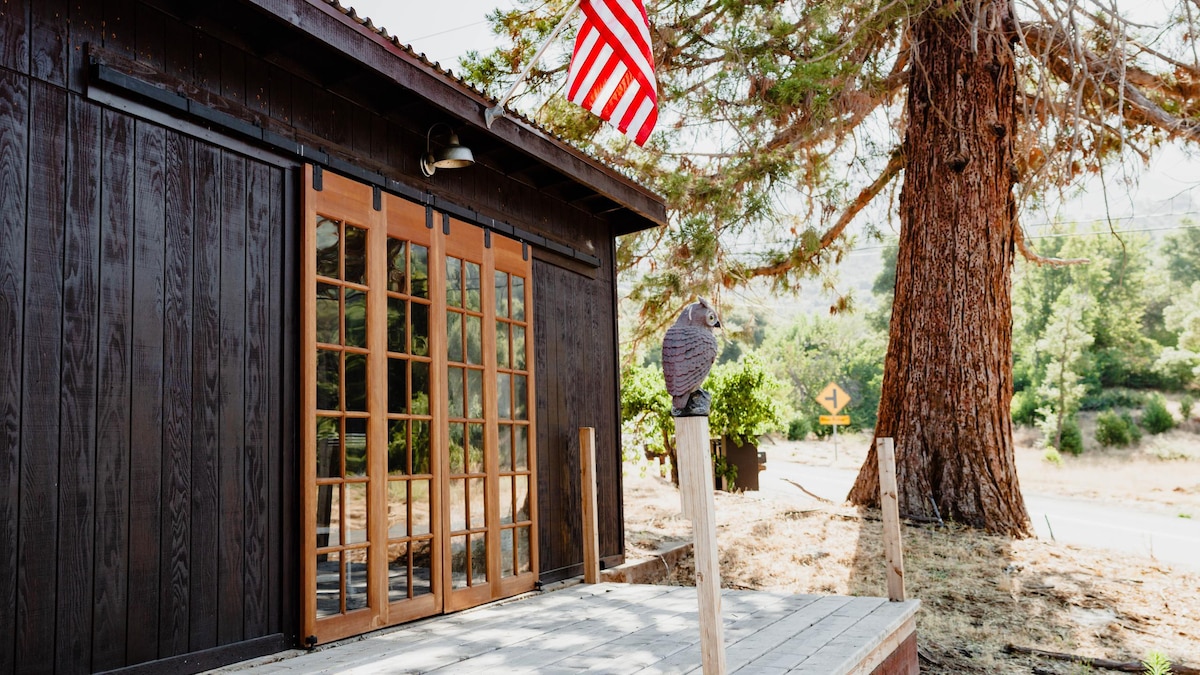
(591, 533)
(888, 504)
(696, 492)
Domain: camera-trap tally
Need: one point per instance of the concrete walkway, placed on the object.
(620, 628)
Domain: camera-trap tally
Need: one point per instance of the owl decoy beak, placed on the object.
(717, 324)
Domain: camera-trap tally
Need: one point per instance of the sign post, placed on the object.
(833, 398)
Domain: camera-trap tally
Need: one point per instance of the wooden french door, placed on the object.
(417, 441)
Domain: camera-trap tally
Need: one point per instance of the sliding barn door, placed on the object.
(418, 395)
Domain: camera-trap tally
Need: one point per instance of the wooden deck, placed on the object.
(620, 628)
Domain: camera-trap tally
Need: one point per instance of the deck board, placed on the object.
(623, 628)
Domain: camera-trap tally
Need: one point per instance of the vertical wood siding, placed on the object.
(140, 311)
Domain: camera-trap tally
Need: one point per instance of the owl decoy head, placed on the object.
(701, 314)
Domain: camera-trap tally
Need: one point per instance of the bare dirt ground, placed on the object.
(979, 593)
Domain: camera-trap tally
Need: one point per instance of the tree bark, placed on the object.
(947, 383)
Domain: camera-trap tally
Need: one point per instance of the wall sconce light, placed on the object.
(453, 156)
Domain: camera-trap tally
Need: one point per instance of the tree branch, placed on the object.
(1033, 257)
(894, 165)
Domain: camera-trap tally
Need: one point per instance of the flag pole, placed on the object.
(497, 110)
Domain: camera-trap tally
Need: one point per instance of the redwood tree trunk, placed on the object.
(947, 381)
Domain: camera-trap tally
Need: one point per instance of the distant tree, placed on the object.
(782, 122)
(1063, 342)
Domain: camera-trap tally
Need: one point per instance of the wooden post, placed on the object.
(591, 533)
(695, 462)
(889, 506)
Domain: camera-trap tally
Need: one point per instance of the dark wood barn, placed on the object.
(264, 383)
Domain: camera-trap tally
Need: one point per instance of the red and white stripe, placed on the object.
(612, 68)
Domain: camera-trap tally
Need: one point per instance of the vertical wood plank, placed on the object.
(285, 331)
(889, 506)
(84, 28)
(48, 41)
(14, 35)
(280, 97)
(150, 37)
(206, 62)
(231, 440)
(175, 555)
(591, 537)
(233, 74)
(258, 213)
(691, 435)
(206, 394)
(81, 282)
(146, 407)
(109, 608)
(179, 51)
(119, 27)
(14, 141)
(37, 536)
(258, 86)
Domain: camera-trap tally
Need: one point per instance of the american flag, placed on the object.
(612, 68)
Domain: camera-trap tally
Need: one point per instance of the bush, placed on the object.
(797, 429)
(743, 407)
(1156, 418)
(1112, 429)
(1072, 438)
(1185, 407)
(1135, 432)
(1107, 399)
(1025, 408)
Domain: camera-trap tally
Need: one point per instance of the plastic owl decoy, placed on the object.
(689, 349)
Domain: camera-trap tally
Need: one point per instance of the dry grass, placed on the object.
(978, 592)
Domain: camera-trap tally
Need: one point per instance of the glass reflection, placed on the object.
(422, 567)
(418, 497)
(329, 446)
(472, 286)
(329, 322)
(502, 294)
(457, 441)
(458, 504)
(476, 497)
(518, 347)
(329, 584)
(521, 495)
(478, 559)
(328, 256)
(453, 282)
(475, 442)
(502, 344)
(504, 396)
(328, 380)
(356, 255)
(506, 500)
(356, 579)
(506, 553)
(420, 388)
(474, 340)
(397, 509)
(397, 447)
(523, 550)
(397, 266)
(329, 519)
(397, 572)
(420, 328)
(474, 394)
(458, 562)
(521, 447)
(397, 325)
(397, 394)
(505, 447)
(356, 447)
(356, 512)
(420, 447)
(420, 271)
(356, 382)
(518, 298)
(520, 396)
(454, 346)
(356, 318)
(454, 385)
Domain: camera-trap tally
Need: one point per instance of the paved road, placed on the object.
(1073, 521)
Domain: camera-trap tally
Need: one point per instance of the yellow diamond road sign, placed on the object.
(833, 398)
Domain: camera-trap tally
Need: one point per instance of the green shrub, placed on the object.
(1135, 432)
(743, 404)
(1107, 399)
(1025, 408)
(1155, 416)
(1185, 407)
(1072, 438)
(1112, 429)
(797, 429)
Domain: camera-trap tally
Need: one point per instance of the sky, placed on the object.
(444, 30)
